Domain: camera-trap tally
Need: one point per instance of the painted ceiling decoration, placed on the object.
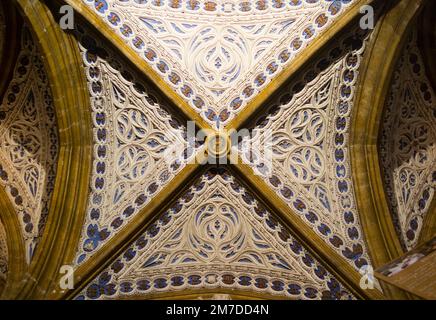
(28, 142)
(133, 129)
(408, 144)
(308, 129)
(218, 55)
(216, 235)
(3, 238)
(133, 138)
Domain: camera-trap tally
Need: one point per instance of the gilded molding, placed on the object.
(115, 246)
(88, 270)
(68, 203)
(377, 69)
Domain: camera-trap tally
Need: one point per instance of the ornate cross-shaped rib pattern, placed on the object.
(217, 235)
(28, 142)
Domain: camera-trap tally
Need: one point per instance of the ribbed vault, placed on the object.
(303, 215)
(407, 144)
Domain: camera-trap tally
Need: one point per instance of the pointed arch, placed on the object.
(377, 71)
(68, 203)
(17, 265)
(16, 261)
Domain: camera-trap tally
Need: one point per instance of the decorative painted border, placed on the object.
(147, 52)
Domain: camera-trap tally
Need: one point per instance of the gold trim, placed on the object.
(17, 265)
(127, 235)
(341, 269)
(299, 63)
(376, 73)
(110, 35)
(321, 251)
(68, 204)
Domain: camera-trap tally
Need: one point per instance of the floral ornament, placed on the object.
(94, 237)
(28, 142)
(102, 287)
(214, 62)
(135, 135)
(407, 145)
(202, 241)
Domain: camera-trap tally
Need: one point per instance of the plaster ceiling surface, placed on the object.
(218, 55)
(407, 144)
(216, 235)
(28, 142)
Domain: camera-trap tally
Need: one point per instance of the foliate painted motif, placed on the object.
(218, 54)
(310, 167)
(408, 145)
(134, 136)
(217, 235)
(28, 142)
(3, 256)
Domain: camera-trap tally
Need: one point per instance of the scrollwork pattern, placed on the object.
(29, 142)
(310, 166)
(217, 235)
(218, 55)
(133, 132)
(407, 145)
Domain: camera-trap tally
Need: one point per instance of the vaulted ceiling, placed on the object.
(333, 177)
